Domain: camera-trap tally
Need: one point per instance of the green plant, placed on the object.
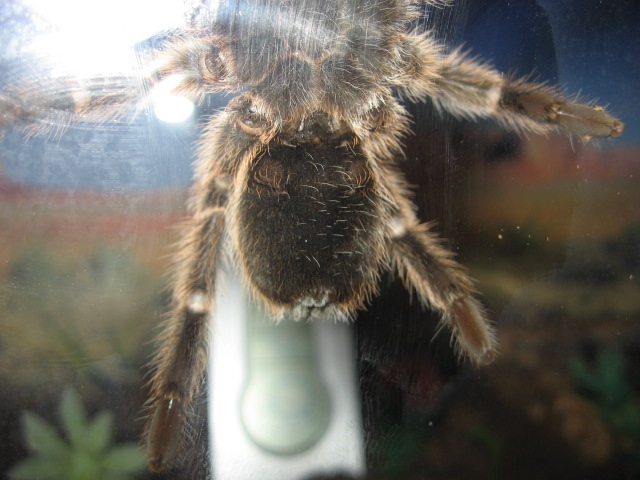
(90, 315)
(608, 386)
(492, 446)
(86, 453)
(399, 449)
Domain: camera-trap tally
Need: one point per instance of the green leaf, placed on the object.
(39, 468)
(84, 466)
(99, 433)
(491, 444)
(89, 456)
(125, 458)
(608, 382)
(74, 419)
(614, 386)
(42, 438)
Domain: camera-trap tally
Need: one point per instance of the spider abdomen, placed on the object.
(312, 227)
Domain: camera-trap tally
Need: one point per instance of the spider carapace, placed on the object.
(295, 179)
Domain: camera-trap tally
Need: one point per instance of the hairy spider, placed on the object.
(296, 178)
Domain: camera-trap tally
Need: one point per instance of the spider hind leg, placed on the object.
(428, 269)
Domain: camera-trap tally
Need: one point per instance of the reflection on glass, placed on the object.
(548, 225)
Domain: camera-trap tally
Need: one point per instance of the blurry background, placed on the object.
(549, 226)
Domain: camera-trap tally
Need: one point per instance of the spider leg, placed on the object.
(181, 359)
(469, 89)
(419, 257)
(179, 366)
(186, 67)
(428, 269)
(49, 108)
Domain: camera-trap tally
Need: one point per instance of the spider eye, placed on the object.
(253, 123)
(211, 65)
(250, 118)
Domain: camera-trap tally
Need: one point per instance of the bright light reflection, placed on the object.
(95, 37)
(118, 20)
(84, 59)
(172, 108)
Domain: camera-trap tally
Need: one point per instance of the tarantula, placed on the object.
(296, 178)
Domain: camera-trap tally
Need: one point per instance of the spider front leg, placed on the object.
(188, 68)
(469, 89)
(181, 360)
(179, 365)
(428, 268)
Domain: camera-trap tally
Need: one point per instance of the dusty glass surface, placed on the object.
(548, 225)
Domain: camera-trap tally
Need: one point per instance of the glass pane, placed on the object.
(358, 379)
